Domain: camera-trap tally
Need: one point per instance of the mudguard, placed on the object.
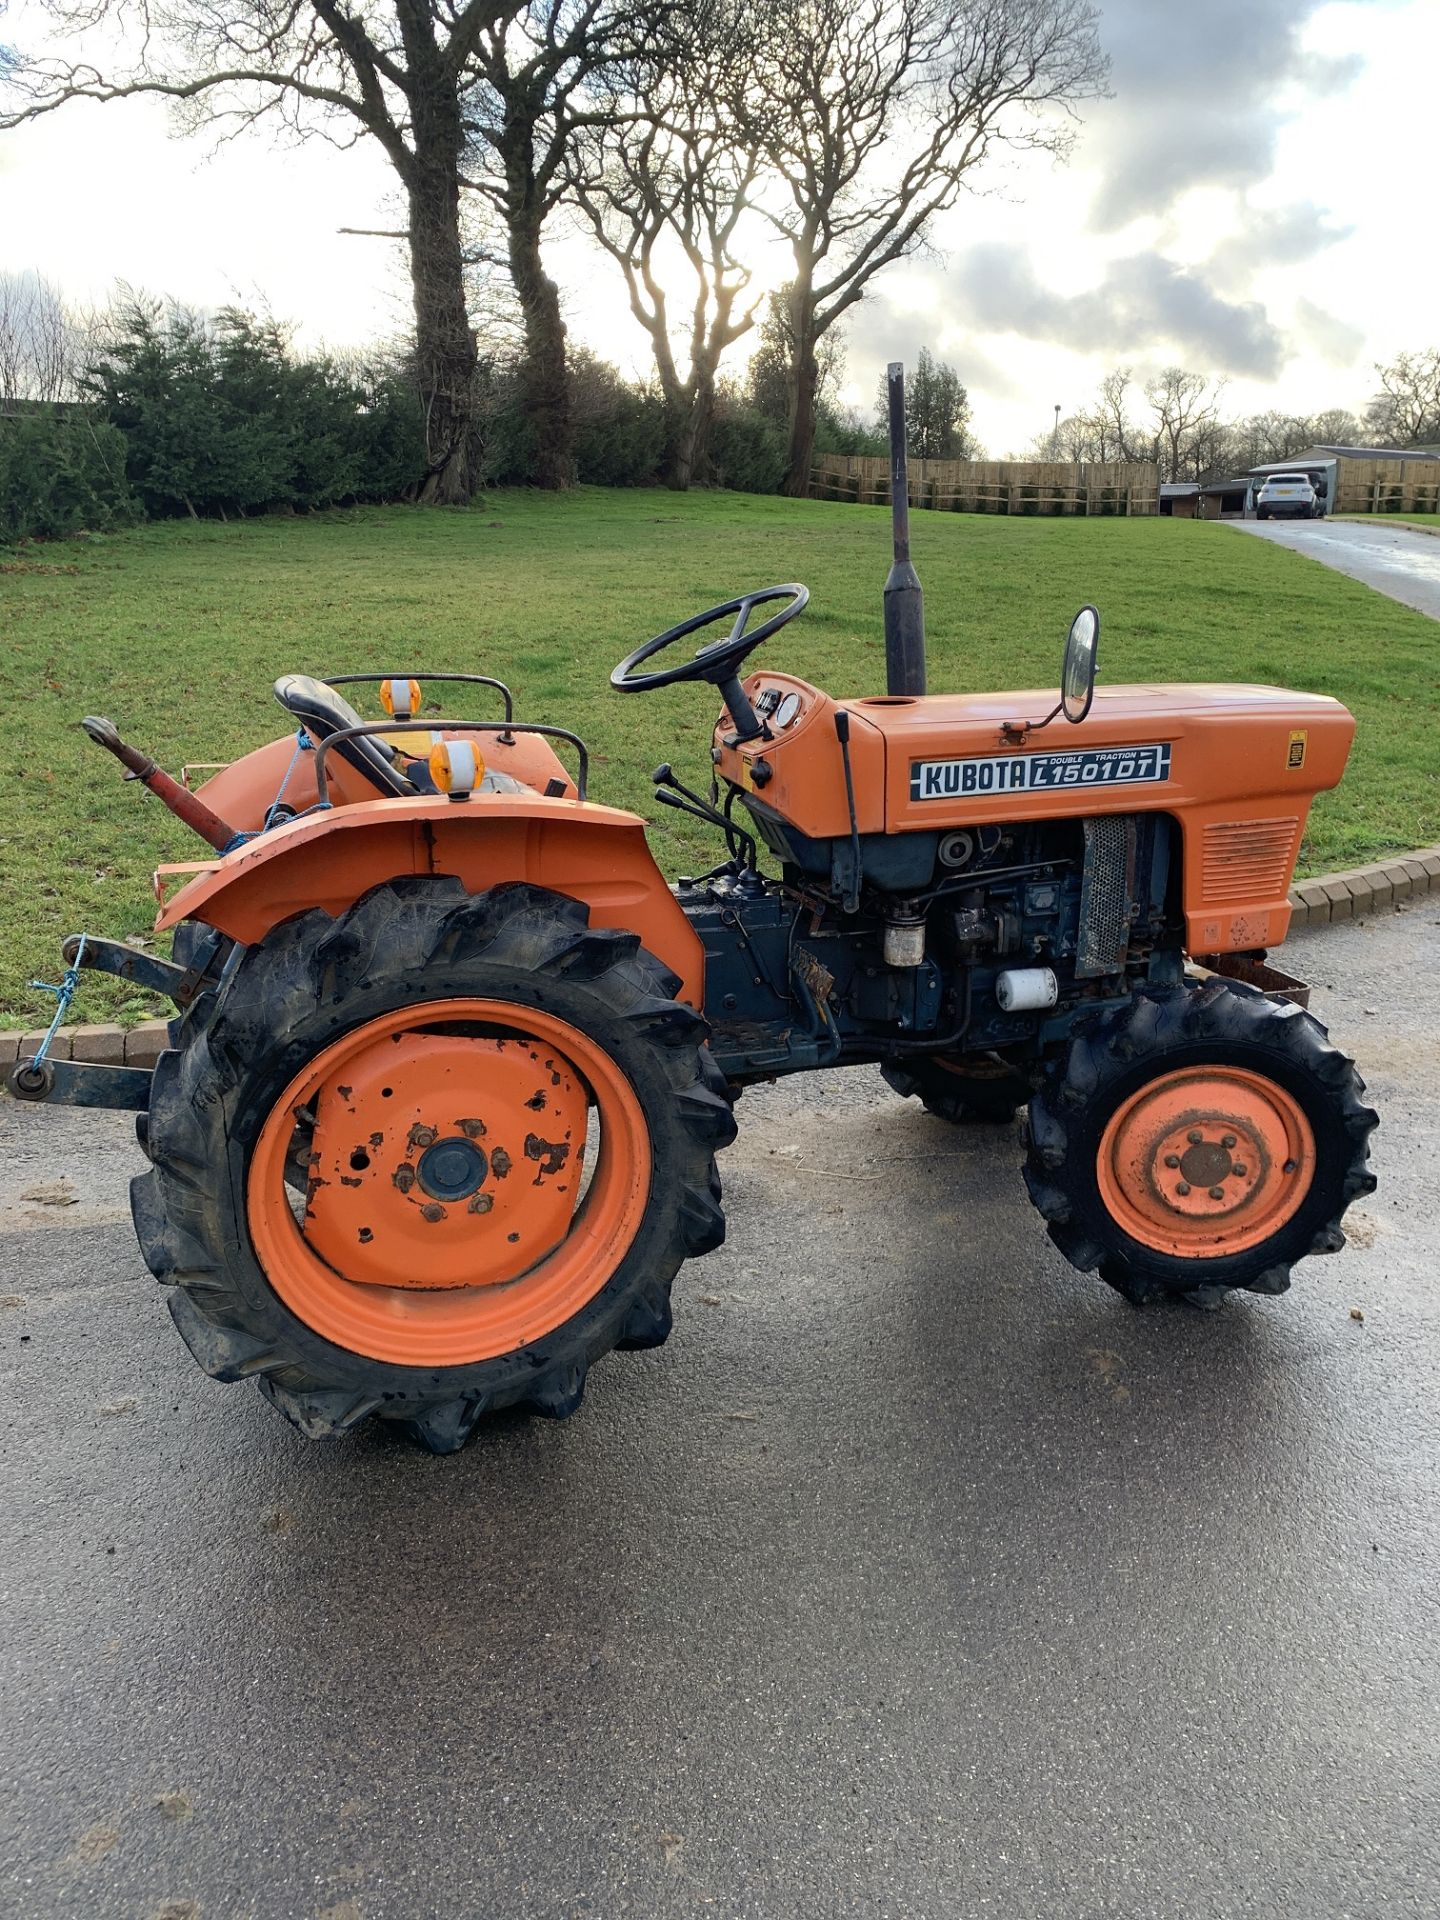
(592, 853)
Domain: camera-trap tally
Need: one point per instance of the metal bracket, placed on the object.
(74, 1083)
(180, 984)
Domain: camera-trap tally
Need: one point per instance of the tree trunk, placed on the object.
(445, 352)
(688, 464)
(544, 382)
(804, 378)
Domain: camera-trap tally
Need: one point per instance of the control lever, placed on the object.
(671, 792)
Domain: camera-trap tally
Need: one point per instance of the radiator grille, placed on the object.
(1104, 939)
(1248, 860)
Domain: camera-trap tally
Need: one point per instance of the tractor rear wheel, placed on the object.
(505, 1124)
(1198, 1140)
(976, 1091)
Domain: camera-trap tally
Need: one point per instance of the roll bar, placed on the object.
(387, 727)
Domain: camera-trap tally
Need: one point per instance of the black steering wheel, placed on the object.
(721, 661)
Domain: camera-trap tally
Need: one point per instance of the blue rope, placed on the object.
(303, 744)
(64, 994)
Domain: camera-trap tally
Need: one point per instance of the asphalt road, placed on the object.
(1394, 560)
(917, 1576)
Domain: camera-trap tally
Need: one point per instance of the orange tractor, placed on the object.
(452, 1061)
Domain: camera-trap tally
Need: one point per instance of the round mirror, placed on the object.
(1077, 676)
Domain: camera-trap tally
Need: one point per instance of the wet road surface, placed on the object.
(917, 1576)
(1394, 560)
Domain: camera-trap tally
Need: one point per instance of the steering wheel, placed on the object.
(721, 660)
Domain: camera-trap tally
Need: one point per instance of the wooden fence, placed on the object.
(1386, 486)
(994, 486)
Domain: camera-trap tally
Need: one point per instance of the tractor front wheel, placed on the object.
(431, 1159)
(1198, 1140)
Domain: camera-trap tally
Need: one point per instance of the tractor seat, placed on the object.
(322, 712)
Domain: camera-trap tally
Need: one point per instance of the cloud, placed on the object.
(1273, 237)
(1200, 95)
(883, 328)
(1143, 305)
(1333, 339)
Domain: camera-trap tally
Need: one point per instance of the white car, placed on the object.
(1288, 493)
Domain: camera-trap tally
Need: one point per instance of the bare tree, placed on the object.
(543, 74)
(873, 114)
(1116, 435)
(1406, 411)
(1185, 408)
(1335, 427)
(389, 70)
(664, 191)
(40, 340)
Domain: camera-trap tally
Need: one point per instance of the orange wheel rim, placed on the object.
(445, 1145)
(1206, 1161)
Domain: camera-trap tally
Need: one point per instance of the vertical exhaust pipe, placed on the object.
(904, 602)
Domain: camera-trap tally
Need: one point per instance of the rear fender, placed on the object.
(245, 792)
(591, 853)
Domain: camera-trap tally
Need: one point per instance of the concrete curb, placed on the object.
(107, 1046)
(1372, 889)
(1384, 520)
(1333, 896)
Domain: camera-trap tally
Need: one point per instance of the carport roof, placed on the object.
(1307, 456)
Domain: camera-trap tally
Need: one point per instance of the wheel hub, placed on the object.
(1206, 1161)
(1207, 1167)
(450, 1159)
(452, 1169)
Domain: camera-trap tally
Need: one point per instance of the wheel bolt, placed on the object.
(1228, 1141)
(1217, 1193)
(1172, 1159)
(1182, 1189)
(1290, 1166)
(1238, 1171)
(1194, 1136)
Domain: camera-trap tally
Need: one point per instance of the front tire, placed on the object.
(1196, 1141)
(440, 1059)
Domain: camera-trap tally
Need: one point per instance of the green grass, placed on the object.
(1397, 519)
(176, 632)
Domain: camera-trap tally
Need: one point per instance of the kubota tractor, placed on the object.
(452, 1061)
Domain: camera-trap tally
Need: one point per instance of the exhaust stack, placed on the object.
(904, 602)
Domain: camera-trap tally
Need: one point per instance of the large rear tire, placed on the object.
(1199, 1140)
(444, 1262)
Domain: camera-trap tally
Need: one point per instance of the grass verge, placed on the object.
(177, 631)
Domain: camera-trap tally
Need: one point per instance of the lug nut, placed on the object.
(1238, 1171)
(1194, 1136)
(1290, 1166)
(1182, 1189)
(1217, 1193)
(1172, 1159)
(1228, 1141)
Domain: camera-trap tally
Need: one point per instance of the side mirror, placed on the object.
(1077, 675)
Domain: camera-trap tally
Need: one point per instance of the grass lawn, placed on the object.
(1396, 519)
(176, 632)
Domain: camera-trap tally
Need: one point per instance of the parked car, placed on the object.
(1288, 493)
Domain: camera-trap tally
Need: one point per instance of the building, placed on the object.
(1364, 479)
(1225, 499)
(1179, 499)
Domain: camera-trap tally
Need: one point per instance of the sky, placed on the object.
(1254, 201)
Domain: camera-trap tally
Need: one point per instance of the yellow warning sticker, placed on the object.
(1295, 753)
